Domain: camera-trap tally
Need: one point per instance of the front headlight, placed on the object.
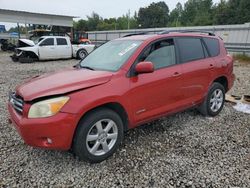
(47, 108)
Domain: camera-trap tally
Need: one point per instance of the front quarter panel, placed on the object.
(30, 49)
(111, 92)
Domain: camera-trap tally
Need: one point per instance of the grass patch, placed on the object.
(242, 57)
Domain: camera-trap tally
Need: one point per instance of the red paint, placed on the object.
(144, 97)
(144, 67)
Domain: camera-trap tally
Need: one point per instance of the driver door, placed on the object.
(157, 93)
(47, 49)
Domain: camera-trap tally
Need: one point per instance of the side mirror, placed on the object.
(144, 67)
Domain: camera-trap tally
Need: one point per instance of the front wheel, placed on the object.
(214, 101)
(98, 135)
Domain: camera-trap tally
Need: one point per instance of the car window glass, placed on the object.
(190, 49)
(213, 46)
(48, 42)
(205, 50)
(61, 41)
(161, 54)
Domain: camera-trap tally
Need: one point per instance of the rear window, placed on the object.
(61, 41)
(190, 49)
(213, 46)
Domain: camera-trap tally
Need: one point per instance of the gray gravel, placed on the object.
(183, 150)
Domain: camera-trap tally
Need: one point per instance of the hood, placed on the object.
(27, 42)
(61, 82)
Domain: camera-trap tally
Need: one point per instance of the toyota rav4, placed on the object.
(121, 85)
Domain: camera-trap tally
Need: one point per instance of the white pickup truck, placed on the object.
(50, 48)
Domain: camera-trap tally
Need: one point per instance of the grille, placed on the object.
(16, 102)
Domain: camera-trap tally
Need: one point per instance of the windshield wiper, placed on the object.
(87, 67)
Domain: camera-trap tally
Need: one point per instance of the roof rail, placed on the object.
(187, 31)
(133, 34)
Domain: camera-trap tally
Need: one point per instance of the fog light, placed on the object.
(49, 141)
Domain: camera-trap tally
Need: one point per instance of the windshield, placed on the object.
(111, 56)
(37, 39)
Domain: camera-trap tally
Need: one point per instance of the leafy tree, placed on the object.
(155, 15)
(175, 15)
(81, 25)
(243, 13)
(232, 12)
(197, 12)
(93, 21)
(221, 13)
(232, 9)
(194, 12)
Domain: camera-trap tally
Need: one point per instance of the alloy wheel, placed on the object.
(216, 100)
(101, 137)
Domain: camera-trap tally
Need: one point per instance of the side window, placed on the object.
(213, 46)
(205, 50)
(48, 42)
(161, 54)
(190, 49)
(61, 41)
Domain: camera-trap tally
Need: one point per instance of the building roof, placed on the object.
(14, 16)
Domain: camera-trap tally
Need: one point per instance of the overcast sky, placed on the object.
(81, 8)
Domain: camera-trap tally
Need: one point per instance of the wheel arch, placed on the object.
(223, 81)
(115, 106)
(32, 54)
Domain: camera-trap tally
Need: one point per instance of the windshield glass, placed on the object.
(111, 56)
(37, 40)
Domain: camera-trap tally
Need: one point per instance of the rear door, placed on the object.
(156, 93)
(46, 49)
(63, 48)
(196, 69)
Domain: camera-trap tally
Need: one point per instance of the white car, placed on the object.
(50, 48)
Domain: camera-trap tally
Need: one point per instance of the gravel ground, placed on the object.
(183, 150)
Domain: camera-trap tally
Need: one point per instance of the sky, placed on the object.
(82, 8)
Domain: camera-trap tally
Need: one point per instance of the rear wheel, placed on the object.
(214, 101)
(81, 54)
(98, 135)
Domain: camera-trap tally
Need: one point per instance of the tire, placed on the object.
(214, 101)
(91, 142)
(14, 58)
(81, 54)
(4, 47)
(26, 60)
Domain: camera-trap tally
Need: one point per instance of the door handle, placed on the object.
(176, 74)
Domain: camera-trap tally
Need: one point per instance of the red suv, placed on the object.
(121, 85)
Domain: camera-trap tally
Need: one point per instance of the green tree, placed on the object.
(197, 12)
(93, 21)
(221, 13)
(81, 25)
(175, 15)
(155, 15)
(243, 13)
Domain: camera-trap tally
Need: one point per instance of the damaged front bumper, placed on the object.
(17, 54)
(20, 56)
